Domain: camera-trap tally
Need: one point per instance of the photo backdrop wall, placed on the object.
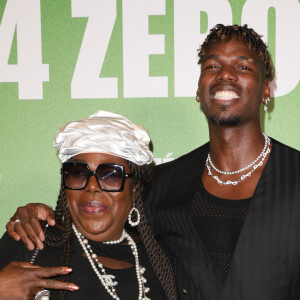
(63, 60)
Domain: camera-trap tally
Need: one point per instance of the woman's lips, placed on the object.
(93, 207)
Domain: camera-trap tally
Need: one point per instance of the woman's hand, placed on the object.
(22, 280)
(29, 229)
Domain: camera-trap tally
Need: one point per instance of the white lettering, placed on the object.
(166, 159)
(287, 43)
(29, 72)
(187, 38)
(138, 45)
(86, 82)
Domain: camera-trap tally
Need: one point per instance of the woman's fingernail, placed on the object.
(40, 245)
(30, 246)
(73, 287)
(51, 222)
(66, 269)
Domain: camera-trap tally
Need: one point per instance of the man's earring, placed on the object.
(266, 103)
(197, 97)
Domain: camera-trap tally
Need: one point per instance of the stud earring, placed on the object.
(266, 103)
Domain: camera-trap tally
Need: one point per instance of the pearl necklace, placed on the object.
(243, 177)
(121, 239)
(267, 142)
(107, 279)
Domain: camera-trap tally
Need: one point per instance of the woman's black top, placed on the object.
(83, 274)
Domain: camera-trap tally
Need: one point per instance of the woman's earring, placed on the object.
(138, 217)
(266, 103)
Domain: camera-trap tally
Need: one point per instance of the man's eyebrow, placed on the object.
(245, 58)
(241, 57)
(212, 56)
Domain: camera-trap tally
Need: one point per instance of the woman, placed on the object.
(105, 174)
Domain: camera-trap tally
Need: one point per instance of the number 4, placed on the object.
(29, 72)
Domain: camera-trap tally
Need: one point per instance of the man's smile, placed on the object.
(226, 95)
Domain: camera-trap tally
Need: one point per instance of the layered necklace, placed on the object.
(107, 280)
(254, 165)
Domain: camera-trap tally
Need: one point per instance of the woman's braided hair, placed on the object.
(223, 34)
(65, 240)
(142, 180)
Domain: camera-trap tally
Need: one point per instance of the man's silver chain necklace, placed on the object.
(266, 150)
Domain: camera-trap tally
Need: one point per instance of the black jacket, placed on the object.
(266, 261)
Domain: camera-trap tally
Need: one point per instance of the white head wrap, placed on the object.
(104, 132)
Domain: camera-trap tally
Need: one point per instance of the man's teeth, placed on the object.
(226, 95)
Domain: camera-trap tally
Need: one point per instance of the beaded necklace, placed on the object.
(267, 140)
(107, 280)
(262, 155)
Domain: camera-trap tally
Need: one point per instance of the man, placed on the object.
(228, 213)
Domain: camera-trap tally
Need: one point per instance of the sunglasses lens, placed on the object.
(75, 175)
(110, 177)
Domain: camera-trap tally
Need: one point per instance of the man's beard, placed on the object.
(222, 121)
(229, 121)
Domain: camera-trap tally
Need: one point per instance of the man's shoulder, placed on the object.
(285, 148)
(196, 157)
(177, 174)
(285, 161)
(194, 154)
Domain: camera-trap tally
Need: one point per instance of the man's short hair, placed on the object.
(223, 34)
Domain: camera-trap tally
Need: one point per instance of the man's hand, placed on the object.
(29, 229)
(22, 280)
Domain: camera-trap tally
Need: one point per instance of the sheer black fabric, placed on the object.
(218, 223)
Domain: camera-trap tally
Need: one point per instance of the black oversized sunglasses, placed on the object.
(110, 177)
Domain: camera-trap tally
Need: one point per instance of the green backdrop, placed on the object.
(63, 60)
